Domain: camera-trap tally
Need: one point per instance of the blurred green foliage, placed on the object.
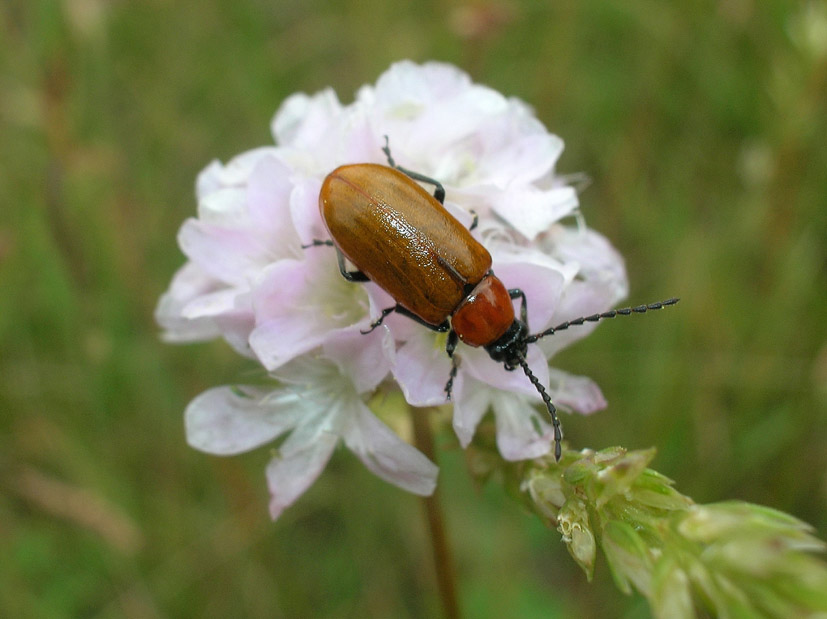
(702, 126)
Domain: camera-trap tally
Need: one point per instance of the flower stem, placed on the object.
(443, 560)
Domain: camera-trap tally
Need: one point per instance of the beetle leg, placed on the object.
(439, 190)
(475, 221)
(449, 386)
(440, 328)
(516, 293)
(450, 347)
(378, 321)
(318, 243)
(387, 150)
(351, 276)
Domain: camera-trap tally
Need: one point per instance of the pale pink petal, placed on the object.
(512, 160)
(485, 385)
(364, 358)
(290, 303)
(188, 284)
(471, 402)
(216, 175)
(268, 204)
(517, 423)
(280, 339)
(304, 210)
(225, 421)
(578, 393)
(290, 474)
(386, 455)
(405, 107)
(532, 211)
(422, 369)
(209, 179)
(229, 255)
(597, 259)
(211, 304)
(302, 121)
(542, 281)
(406, 81)
(226, 207)
(580, 299)
(477, 364)
(236, 329)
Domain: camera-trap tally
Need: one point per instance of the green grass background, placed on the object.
(702, 125)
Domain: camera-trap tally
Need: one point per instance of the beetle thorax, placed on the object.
(485, 314)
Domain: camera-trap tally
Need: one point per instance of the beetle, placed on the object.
(401, 237)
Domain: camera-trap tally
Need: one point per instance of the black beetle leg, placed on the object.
(439, 191)
(351, 276)
(450, 347)
(475, 221)
(378, 321)
(318, 243)
(404, 311)
(516, 293)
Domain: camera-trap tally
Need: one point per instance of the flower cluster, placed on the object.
(250, 280)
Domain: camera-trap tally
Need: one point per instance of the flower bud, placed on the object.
(628, 557)
(573, 524)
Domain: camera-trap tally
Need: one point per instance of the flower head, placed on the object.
(250, 279)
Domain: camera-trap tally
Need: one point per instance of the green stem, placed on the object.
(443, 561)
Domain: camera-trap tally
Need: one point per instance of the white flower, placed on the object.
(249, 280)
(319, 403)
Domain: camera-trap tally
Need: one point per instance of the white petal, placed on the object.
(532, 211)
(298, 305)
(223, 422)
(477, 364)
(365, 358)
(483, 383)
(422, 369)
(471, 402)
(543, 285)
(277, 341)
(581, 298)
(189, 283)
(212, 304)
(289, 475)
(209, 179)
(229, 255)
(235, 173)
(386, 455)
(576, 392)
(519, 159)
(236, 329)
(304, 121)
(517, 423)
(598, 261)
(406, 82)
(226, 206)
(304, 210)
(267, 200)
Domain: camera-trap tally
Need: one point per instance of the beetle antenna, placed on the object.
(626, 311)
(552, 410)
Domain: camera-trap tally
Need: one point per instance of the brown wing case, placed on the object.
(402, 238)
